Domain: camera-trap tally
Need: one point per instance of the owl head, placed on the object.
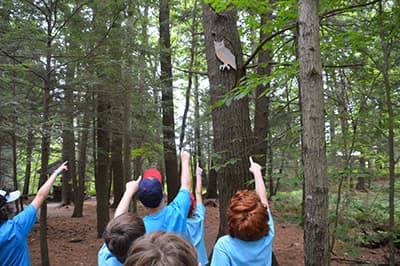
(219, 45)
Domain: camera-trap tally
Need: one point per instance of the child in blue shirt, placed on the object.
(121, 231)
(250, 227)
(14, 231)
(160, 216)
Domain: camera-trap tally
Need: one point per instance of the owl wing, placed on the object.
(226, 56)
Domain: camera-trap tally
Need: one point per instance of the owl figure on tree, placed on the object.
(225, 55)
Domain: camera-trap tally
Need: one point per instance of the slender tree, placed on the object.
(168, 122)
(384, 68)
(316, 228)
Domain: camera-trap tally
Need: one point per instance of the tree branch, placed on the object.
(193, 72)
(294, 24)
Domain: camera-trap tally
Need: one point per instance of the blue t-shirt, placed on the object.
(172, 218)
(13, 234)
(106, 258)
(195, 228)
(233, 251)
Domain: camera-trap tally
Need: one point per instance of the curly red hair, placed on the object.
(247, 217)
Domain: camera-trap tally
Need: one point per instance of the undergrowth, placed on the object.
(363, 219)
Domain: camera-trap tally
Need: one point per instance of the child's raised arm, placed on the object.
(255, 169)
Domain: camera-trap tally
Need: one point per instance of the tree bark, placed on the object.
(102, 163)
(80, 189)
(117, 169)
(28, 164)
(231, 124)
(262, 146)
(316, 228)
(170, 159)
(69, 139)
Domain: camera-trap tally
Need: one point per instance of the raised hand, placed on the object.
(62, 168)
(185, 156)
(133, 186)
(254, 167)
(199, 170)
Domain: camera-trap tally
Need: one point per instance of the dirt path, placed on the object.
(73, 241)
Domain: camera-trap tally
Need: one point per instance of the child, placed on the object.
(171, 217)
(250, 227)
(121, 231)
(14, 231)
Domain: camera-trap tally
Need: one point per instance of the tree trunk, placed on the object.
(117, 169)
(262, 102)
(262, 146)
(193, 48)
(45, 148)
(316, 227)
(102, 162)
(6, 160)
(390, 121)
(80, 189)
(28, 164)
(45, 153)
(360, 186)
(69, 139)
(231, 124)
(212, 192)
(170, 159)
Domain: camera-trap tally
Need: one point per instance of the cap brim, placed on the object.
(13, 196)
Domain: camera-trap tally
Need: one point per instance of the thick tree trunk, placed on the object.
(170, 159)
(231, 124)
(316, 228)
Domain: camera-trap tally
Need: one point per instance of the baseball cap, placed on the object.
(150, 190)
(6, 197)
(152, 172)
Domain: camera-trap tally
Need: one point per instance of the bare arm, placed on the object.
(255, 169)
(185, 170)
(130, 190)
(44, 190)
(199, 185)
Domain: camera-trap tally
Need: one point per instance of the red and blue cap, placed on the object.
(150, 191)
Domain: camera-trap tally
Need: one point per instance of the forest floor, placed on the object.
(73, 241)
